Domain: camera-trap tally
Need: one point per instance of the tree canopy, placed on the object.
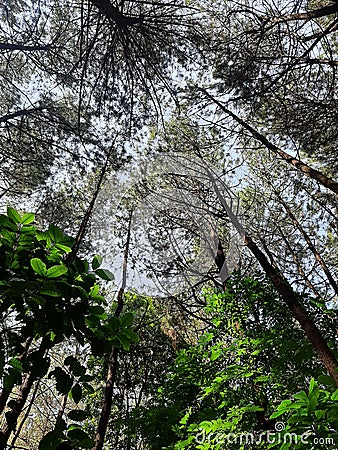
(188, 151)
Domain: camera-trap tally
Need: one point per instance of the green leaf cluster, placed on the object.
(46, 299)
(251, 358)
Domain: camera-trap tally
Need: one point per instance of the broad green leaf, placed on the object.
(126, 320)
(279, 413)
(56, 271)
(97, 261)
(326, 380)
(27, 219)
(81, 438)
(334, 396)
(38, 266)
(63, 381)
(50, 293)
(56, 234)
(131, 335)
(11, 378)
(8, 236)
(312, 386)
(16, 364)
(215, 354)
(113, 324)
(94, 290)
(98, 311)
(7, 222)
(13, 214)
(105, 274)
(124, 341)
(74, 365)
(78, 415)
(64, 248)
(51, 440)
(76, 393)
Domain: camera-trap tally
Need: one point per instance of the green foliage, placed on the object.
(313, 414)
(231, 382)
(140, 372)
(45, 299)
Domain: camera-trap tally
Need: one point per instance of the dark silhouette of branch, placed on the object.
(24, 48)
(314, 14)
(304, 168)
(320, 34)
(22, 112)
(28, 410)
(83, 227)
(328, 62)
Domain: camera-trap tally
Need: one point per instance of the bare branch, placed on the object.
(24, 48)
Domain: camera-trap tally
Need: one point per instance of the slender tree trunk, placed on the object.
(6, 393)
(301, 166)
(290, 297)
(28, 410)
(285, 290)
(113, 360)
(311, 247)
(12, 416)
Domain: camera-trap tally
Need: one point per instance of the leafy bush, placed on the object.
(46, 297)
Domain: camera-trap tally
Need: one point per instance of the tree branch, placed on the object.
(304, 168)
(314, 14)
(113, 360)
(22, 112)
(24, 48)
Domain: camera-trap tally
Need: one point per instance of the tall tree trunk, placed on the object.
(113, 360)
(284, 289)
(5, 393)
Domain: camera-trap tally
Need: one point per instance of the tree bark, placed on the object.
(11, 417)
